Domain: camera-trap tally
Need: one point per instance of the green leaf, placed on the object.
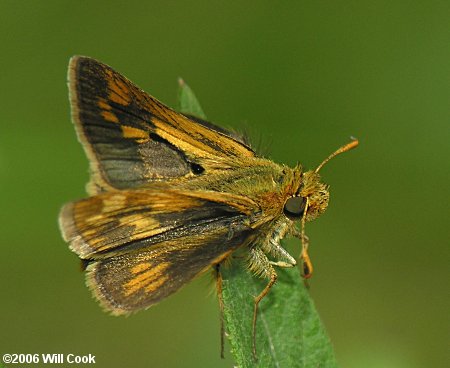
(289, 332)
(188, 103)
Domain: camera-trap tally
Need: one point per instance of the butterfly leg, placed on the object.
(307, 266)
(218, 277)
(282, 264)
(273, 279)
(260, 264)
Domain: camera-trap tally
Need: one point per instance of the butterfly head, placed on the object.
(310, 202)
(313, 195)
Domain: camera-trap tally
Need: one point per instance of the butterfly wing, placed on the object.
(118, 222)
(143, 245)
(131, 138)
(136, 280)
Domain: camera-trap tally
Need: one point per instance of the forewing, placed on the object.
(132, 281)
(118, 222)
(132, 138)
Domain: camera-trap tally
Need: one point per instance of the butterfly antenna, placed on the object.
(354, 143)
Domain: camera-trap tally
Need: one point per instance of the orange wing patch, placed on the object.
(139, 135)
(118, 90)
(146, 277)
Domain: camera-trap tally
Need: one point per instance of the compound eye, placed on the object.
(294, 207)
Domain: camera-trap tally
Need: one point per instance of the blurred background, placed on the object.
(303, 76)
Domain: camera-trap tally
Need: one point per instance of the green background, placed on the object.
(303, 76)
